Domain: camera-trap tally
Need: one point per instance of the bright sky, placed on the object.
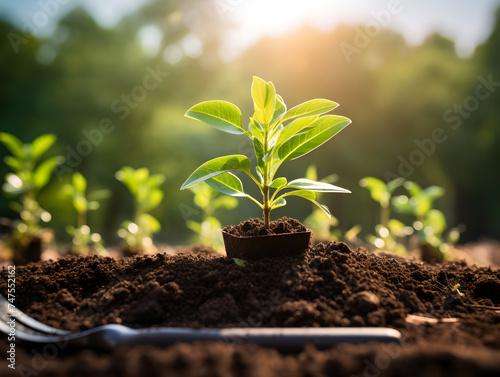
(467, 22)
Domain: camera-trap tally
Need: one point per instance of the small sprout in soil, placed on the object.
(239, 262)
(144, 187)
(209, 201)
(430, 223)
(388, 231)
(277, 135)
(84, 241)
(30, 174)
(455, 289)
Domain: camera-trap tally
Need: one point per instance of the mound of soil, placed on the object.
(446, 313)
(255, 227)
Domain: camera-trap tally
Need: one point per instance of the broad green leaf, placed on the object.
(279, 110)
(264, 98)
(127, 176)
(312, 107)
(218, 114)
(301, 144)
(309, 195)
(402, 204)
(217, 166)
(413, 188)
(307, 184)
(13, 144)
(41, 144)
(280, 202)
(79, 182)
(396, 227)
(43, 172)
(294, 128)
(278, 182)
(375, 186)
(14, 163)
(227, 183)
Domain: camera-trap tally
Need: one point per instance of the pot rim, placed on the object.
(266, 235)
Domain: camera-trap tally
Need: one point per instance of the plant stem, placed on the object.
(265, 186)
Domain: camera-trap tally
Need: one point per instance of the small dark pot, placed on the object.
(273, 245)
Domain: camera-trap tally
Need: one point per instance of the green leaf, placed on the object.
(307, 184)
(80, 204)
(264, 98)
(375, 186)
(280, 202)
(259, 153)
(279, 110)
(13, 144)
(93, 205)
(217, 166)
(42, 144)
(394, 184)
(301, 144)
(79, 182)
(148, 222)
(312, 107)
(278, 182)
(308, 195)
(239, 262)
(396, 227)
(43, 172)
(227, 183)
(218, 114)
(14, 163)
(225, 202)
(152, 200)
(155, 181)
(294, 128)
(99, 194)
(436, 220)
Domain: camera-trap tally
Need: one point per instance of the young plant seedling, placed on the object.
(84, 241)
(144, 187)
(30, 175)
(388, 231)
(209, 201)
(430, 223)
(278, 135)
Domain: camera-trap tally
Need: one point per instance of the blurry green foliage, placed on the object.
(395, 94)
(30, 174)
(430, 223)
(83, 239)
(208, 230)
(145, 189)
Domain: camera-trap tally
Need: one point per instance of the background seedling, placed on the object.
(209, 201)
(144, 187)
(30, 174)
(388, 231)
(430, 223)
(278, 135)
(84, 241)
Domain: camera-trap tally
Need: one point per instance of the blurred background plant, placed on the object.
(389, 232)
(145, 189)
(84, 241)
(429, 223)
(30, 174)
(325, 229)
(144, 63)
(208, 230)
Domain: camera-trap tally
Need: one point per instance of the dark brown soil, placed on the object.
(455, 333)
(256, 227)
